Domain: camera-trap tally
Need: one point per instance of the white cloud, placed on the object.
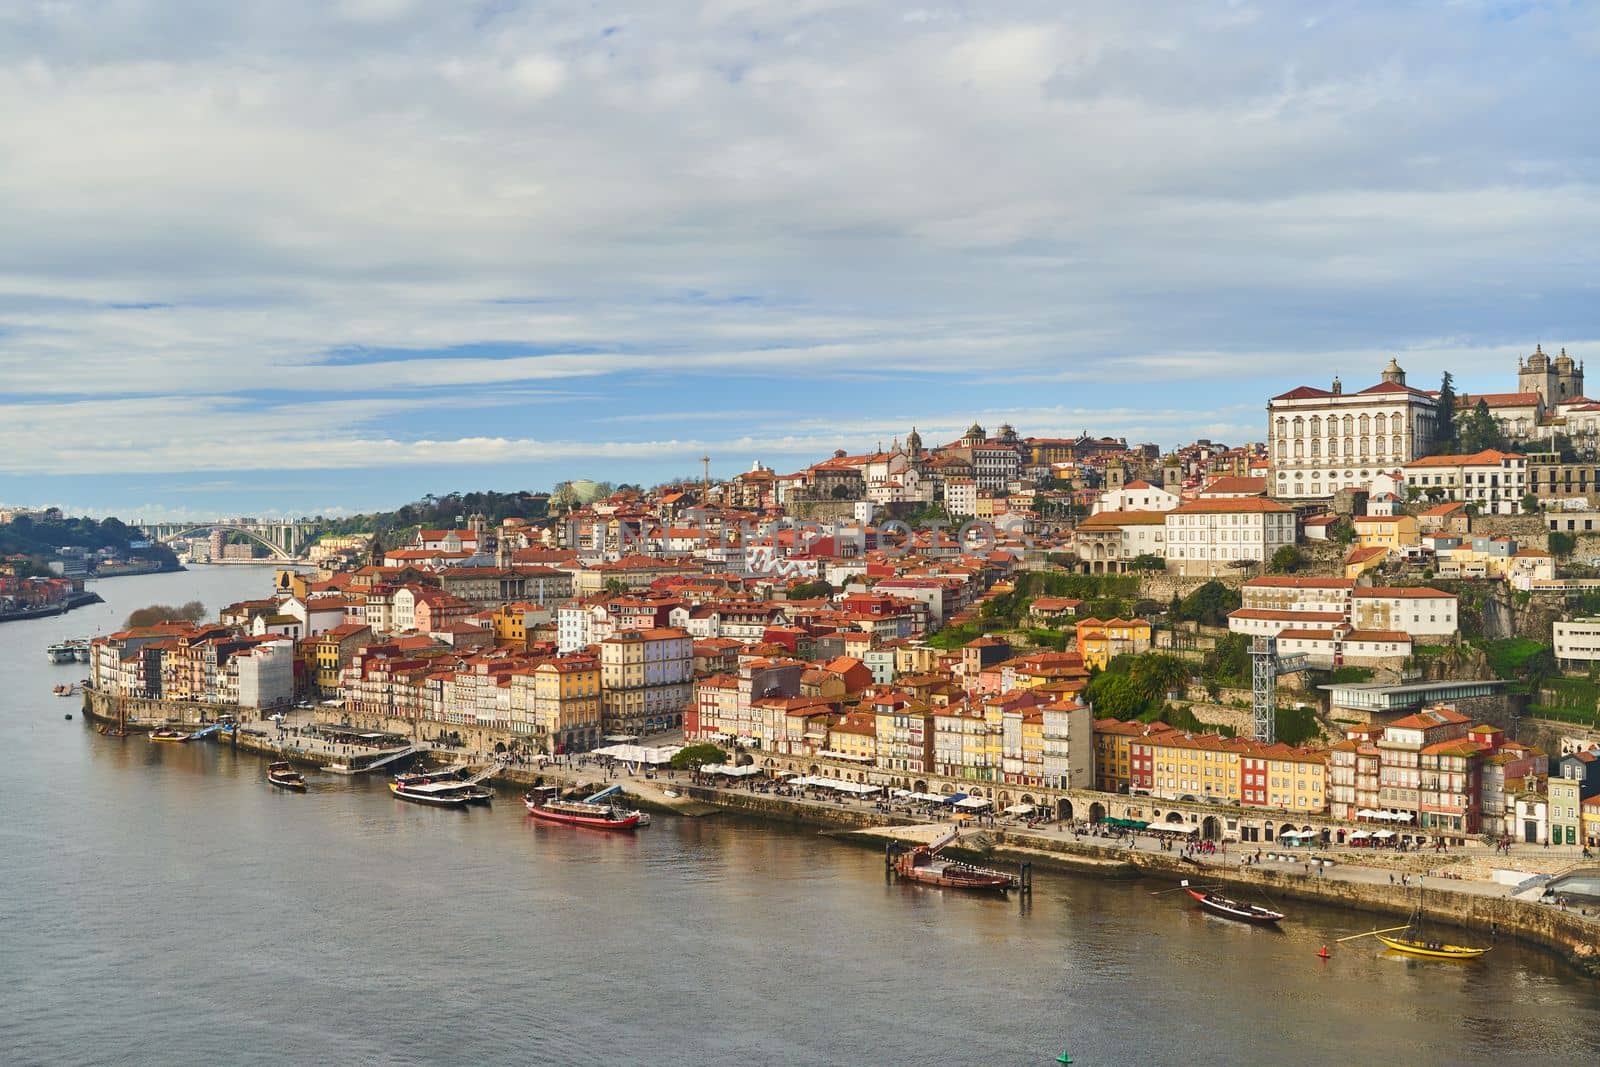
(1007, 197)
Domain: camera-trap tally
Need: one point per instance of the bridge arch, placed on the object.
(278, 551)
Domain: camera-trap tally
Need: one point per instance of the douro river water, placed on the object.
(161, 904)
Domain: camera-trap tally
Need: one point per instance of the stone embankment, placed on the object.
(1473, 906)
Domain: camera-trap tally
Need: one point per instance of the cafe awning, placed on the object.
(1020, 809)
(972, 803)
(730, 771)
(1172, 827)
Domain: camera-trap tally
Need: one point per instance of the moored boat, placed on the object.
(169, 734)
(1435, 950)
(924, 864)
(544, 804)
(1229, 908)
(284, 776)
(439, 794)
(471, 791)
(61, 652)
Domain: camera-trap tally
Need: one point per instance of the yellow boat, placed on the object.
(1435, 950)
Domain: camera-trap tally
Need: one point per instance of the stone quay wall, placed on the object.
(1568, 934)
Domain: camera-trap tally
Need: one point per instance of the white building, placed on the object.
(266, 674)
(1493, 480)
(1109, 540)
(1273, 603)
(1322, 440)
(1203, 537)
(579, 625)
(1136, 496)
(1068, 740)
(1416, 610)
(961, 497)
(1577, 642)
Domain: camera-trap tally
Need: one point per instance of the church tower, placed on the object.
(1569, 378)
(1392, 373)
(1537, 376)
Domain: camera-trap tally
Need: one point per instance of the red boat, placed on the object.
(544, 804)
(1228, 908)
(924, 864)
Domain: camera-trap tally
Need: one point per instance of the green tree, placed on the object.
(1209, 604)
(693, 757)
(1148, 561)
(1479, 431)
(1530, 504)
(616, 586)
(1114, 695)
(1229, 662)
(1286, 560)
(811, 590)
(1157, 674)
(1561, 544)
(1445, 406)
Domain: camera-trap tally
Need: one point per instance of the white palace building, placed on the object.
(1320, 441)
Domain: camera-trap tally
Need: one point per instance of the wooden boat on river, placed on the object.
(1434, 950)
(1228, 908)
(1413, 940)
(924, 864)
(284, 776)
(169, 734)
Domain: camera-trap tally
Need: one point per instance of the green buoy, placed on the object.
(1063, 1058)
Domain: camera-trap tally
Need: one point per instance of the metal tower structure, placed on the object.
(1265, 667)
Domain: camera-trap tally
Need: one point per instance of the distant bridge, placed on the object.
(284, 540)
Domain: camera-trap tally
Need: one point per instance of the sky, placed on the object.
(299, 257)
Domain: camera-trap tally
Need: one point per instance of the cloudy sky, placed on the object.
(300, 256)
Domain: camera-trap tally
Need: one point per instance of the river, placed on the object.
(162, 904)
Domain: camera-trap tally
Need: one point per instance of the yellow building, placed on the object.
(854, 738)
(1178, 766)
(1284, 778)
(1395, 533)
(511, 625)
(1100, 642)
(1359, 561)
(566, 702)
(1112, 766)
(331, 651)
